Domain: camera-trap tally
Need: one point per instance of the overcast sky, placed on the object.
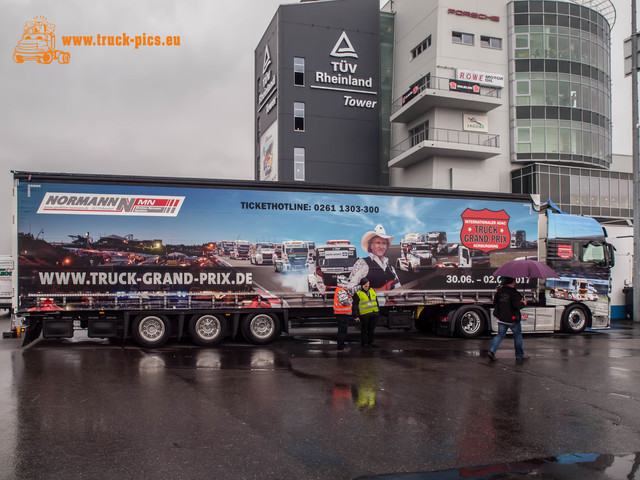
(170, 111)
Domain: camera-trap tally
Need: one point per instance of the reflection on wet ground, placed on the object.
(298, 409)
(584, 466)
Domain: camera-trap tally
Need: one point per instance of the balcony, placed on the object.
(434, 92)
(446, 143)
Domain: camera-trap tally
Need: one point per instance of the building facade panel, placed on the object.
(331, 106)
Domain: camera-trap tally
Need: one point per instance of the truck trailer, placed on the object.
(180, 286)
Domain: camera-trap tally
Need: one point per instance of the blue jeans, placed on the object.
(516, 328)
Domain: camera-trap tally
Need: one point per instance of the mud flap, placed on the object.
(32, 333)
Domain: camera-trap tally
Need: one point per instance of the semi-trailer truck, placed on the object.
(58, 291)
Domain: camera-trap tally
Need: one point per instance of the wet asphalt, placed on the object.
(417, 407)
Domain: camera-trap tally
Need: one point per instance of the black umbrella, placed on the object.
(525, 268)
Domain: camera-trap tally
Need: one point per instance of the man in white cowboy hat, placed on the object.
(375, 266)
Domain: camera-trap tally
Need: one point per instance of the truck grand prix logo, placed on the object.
(485, 230)
(107, 204)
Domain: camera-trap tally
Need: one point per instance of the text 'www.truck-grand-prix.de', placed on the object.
(147, 278)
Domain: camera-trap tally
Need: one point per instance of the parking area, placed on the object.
(297, 409)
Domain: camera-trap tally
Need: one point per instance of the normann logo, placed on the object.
(108, 204)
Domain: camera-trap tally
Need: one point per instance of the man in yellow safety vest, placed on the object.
(365, 311)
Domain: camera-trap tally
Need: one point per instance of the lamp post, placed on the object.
(636, 167)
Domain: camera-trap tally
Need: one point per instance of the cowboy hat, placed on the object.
(378, 231)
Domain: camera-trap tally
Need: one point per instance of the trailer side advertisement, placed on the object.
(93, 238)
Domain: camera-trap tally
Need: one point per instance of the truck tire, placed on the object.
(47, 58)
(151, 331)
(260, 328)
(574, 318)
(206, 330)
(470, 322)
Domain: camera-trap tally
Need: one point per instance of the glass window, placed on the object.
(552, 140)
(536, 48)
(594, 191)
(585, 51)
(463, 38)
(537, 139)
(490, 42)
(586, 97)
(575, 95)
(298, 116)
(574, 47)
(551, 93)
(551, 46)
(565, 140)
(604, 192)
(625, 188)
(614, 193)
(537, 92)
(522, 87)
(563, 47)
(576, 142)
(298, 71)
(586, 143)
(298, 164)
(584, 191)
(593, 253)
(564, 94)
(524, 134)
(522, 40)
(575, 190)
(426, 43)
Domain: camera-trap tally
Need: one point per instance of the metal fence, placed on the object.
(446, 135)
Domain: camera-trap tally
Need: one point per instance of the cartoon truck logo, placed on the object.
(38, 43)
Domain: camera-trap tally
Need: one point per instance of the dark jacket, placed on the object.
(507, 304)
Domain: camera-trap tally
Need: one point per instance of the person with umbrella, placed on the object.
(507, 304)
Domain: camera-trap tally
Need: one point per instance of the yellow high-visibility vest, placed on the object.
(367, 303)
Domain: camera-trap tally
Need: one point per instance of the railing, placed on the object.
(440, 83)
(446, 135)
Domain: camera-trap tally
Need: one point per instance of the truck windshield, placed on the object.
(297, 250)
(337, 258)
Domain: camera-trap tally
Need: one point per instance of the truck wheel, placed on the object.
(151, 330)
(206, 330)
(574, 319)
(260, 328)
(17, 58)
(470, 322)
(46, 58)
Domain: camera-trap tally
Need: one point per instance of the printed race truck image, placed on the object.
(293, 258)
(333, 265)
(159, 272)
(415, 254)
(240, 250)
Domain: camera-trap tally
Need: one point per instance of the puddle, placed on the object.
(593, 466)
